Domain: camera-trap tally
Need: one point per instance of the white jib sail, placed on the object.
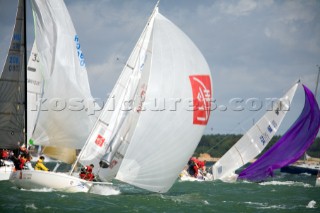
(12, 91)
(254, 140)
(174, 109)
(34, 87)
(113, 119)
(63, 120)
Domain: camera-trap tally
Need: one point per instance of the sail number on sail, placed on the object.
(80, 54)
(14, 64)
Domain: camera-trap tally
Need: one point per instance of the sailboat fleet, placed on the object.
(131, 142)
(117, 135)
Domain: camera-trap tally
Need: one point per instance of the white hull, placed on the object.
(184, 176)
(35, 179)
(6, 170)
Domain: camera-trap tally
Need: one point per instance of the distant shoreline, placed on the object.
(207, 157)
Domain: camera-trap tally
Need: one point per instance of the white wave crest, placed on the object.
(311, 204)
(105, 190)
(265, 205)
(285, 183)
(38, 190)
(31, 206)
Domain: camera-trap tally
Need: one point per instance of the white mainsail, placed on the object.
(12, 87)
(254, 140)
(63, 120)
(168, 82)
(12, 93)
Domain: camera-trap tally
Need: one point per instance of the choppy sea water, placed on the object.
(283, 193)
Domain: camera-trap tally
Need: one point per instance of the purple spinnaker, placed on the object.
(291, 146)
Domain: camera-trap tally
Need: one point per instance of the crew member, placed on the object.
(193, 166)
(40, 166)
(86, 173)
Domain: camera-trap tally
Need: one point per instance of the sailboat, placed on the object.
(254, 140)
(63, 78)
(162, 106)
(308, 165)
(12, 93)
(291, 146)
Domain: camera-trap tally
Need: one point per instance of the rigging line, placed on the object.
(137, 43)
(25, 69)
(317, 83)
(239, 155)
(223, 139)
(218, 143)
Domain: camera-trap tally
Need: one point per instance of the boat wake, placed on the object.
(38, 190)
(188, 178)
(285, 183)
(184, 176)
(105, 190)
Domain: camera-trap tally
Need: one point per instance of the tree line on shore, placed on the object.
(217, 145)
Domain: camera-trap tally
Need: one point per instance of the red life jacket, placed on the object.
(89, 169)
(201, 164)
(22, 162)
(5, 154)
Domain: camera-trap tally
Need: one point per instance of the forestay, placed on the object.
(12, 88)
(63, 120)
(254, 140)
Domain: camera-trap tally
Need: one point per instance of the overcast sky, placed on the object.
(255, 49)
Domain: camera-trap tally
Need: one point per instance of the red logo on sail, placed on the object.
(100, 140)
(201, 91)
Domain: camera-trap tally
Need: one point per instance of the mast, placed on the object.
(25, 70)
(315, 96)
(317, 83)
